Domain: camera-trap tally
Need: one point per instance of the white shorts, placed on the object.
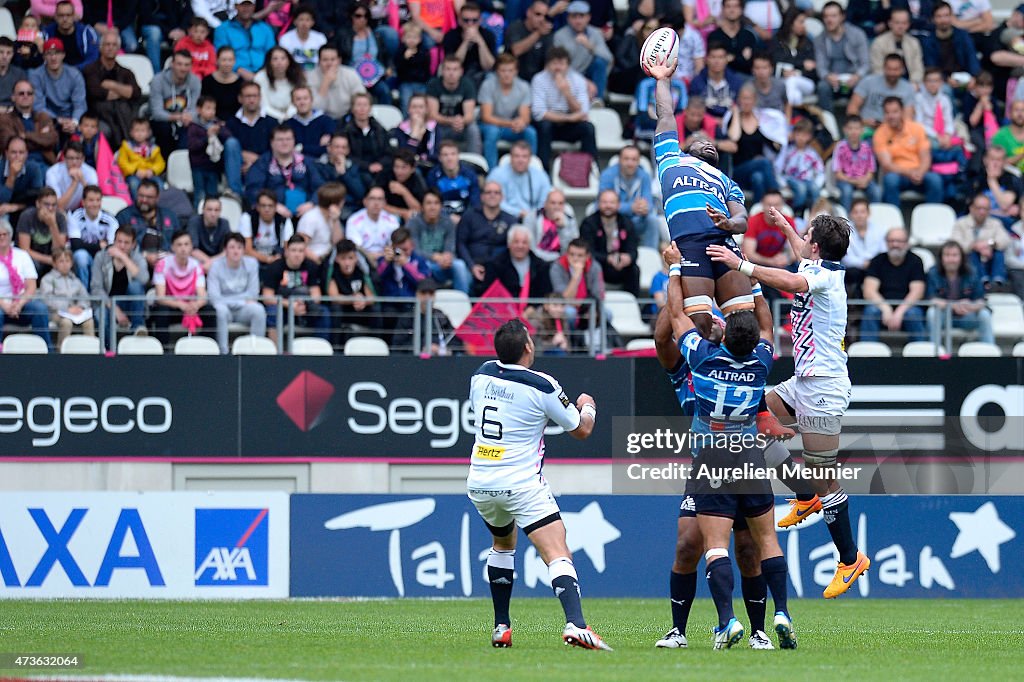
(524, 506)
(820, 402)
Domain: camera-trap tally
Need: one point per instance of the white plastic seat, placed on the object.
(922, 349)
(231, 211)
(248, 344)
(453, 303)
(141, 68)
(649, 262)
(582, 194)
(196, 345)
(7, 27)
(113, 205)
(387, 115)
(139, 345)
(932, 224)
(535, 161)
(25, 344)
(366, 346)
(1007, 315)
(1018, 350)
(640, 344)
(179, 170)
(607, 129)
(311, 345)
(886, 215)
(625, 314)
(926, 256)
(475, 160)
(78, 344)
(869, 349)
(978, 349)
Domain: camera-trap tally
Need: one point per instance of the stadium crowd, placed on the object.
(273, 102)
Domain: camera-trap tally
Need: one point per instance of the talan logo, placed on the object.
(304, 399)
(231, 547)
(49, 417)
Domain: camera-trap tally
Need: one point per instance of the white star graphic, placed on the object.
(588, 530)
(981, 530)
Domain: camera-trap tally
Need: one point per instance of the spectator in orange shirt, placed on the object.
(905, 156)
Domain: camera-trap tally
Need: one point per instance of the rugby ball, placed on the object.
(661, 46)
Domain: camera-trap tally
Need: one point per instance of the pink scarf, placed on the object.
(17, 283)
(191, 323)
(549, 236)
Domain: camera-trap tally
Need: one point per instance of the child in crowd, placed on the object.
(197, 43)
(412, 64)
(28, 48)
(983, 113)
(139, 157)
(801, 166)
(302, 42)
(207, 152)
(854, 165)
(552, 327)
(66, 297)
(934, 111)
(88, 134)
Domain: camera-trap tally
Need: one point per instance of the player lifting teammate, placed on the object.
(728, 382)
(819, 392)
(512, 404)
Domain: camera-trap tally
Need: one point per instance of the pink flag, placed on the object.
(477, 331)
(111, 180)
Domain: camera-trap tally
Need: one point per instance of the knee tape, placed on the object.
(561, 566)
(738, 303)
(693, 305)
(825, 458)
(716, 553)
(775, 454)
(502, 558)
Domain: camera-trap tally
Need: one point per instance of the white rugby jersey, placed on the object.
(511, 407)
(819, 320)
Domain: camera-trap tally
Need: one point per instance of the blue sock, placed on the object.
(755, 596)
(500, 575)
(720, 580)
(837, 520)
(776, 576)
(567, 590)
(682, 589)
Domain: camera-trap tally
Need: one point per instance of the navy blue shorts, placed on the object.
(696, 262)
(737, 498)
(688, 507)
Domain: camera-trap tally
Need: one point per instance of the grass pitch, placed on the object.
(429, 640)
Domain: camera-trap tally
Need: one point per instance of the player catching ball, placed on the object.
(512, 404)
(819, 392)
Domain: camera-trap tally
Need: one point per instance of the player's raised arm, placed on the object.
(763, 312)
(664, 107)
(588, 417)
(681, 322)
(775, 217)
(668, 351)
(783, 280)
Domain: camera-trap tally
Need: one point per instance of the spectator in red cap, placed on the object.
(60, 89)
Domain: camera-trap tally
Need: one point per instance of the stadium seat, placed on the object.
(179, 170)
(7, 27)
(607, 130)
(625, 314)
(1018, 350)
(475, 160)
(24, 344)
(581, 194)
(113, 205)
(649, 262)
(1007, 315)
(311, 345)
(814, 28)
(141, 67)
(932, 224)
(196, 345)
(828, 119)
(922, 349)
(886, 216)
(231, 211)
(978, 349)
(249, 344)
(455, 304)
(78, 344)
(926, 256)
(366, 346)
(535, 161)
(388, 116)
(139, 345)
(869, 349)
(640, 344)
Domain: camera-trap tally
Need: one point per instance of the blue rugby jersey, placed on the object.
(688, 186)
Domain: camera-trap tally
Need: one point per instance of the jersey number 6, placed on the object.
(492, 425)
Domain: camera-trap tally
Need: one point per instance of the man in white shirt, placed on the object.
(321, 227)
(371, 227)
(18, 286)
(265, 230)
(90, 229)
(512, 405)
(70, 177)
(560, 104)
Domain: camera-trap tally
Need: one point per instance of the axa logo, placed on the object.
(304, 399)
(231, 547)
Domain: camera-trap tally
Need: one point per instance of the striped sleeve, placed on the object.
(666, 151)
(733, 191)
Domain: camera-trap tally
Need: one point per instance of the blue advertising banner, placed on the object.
(436, 546)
